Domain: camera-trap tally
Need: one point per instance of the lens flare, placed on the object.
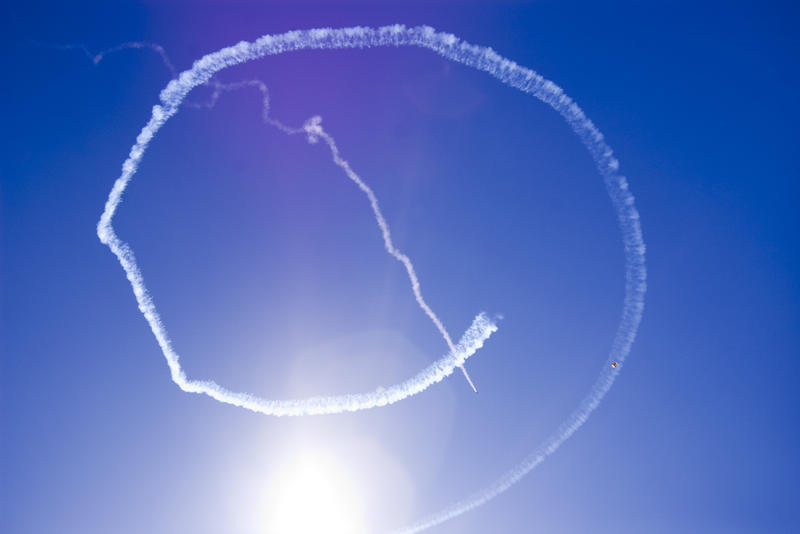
(314, 494)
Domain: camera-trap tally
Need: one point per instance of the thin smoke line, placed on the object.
(485, 59)
(97, 57)
(315, 131)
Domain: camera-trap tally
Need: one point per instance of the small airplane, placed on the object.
(614, 365)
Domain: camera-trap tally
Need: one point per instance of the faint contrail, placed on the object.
(96, 58)
(477, 57)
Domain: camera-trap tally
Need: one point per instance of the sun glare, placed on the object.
(313, 495)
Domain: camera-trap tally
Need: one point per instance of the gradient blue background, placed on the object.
(269, 272)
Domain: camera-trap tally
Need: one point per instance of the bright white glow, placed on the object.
(313, 495)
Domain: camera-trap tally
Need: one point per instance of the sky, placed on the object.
(269, 272)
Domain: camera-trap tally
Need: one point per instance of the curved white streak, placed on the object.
(509, 73)
(473, 339)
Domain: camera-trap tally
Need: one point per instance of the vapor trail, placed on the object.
(472, 340)
(481, 58)
(314, 129)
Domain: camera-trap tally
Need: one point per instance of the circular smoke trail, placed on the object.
(452, 48)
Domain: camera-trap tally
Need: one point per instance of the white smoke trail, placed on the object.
(477, 57)
(472, 340)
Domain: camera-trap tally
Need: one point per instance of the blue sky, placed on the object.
(269, 272)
